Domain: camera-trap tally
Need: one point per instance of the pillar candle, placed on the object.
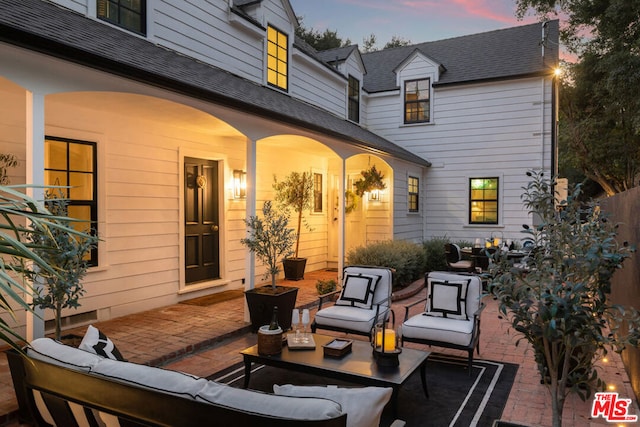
(389, 339)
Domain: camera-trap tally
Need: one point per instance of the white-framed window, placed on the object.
(354, 99)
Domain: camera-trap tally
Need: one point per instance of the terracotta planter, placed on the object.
(261, 301)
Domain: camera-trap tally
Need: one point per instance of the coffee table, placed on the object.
(358, 366)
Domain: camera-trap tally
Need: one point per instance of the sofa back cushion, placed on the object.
(298, 408)
(56, 353)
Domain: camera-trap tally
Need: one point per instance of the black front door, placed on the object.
(201, 228)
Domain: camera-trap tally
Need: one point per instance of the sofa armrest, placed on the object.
(325, 296)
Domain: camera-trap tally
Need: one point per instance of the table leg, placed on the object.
(423, 377)
(247, 372)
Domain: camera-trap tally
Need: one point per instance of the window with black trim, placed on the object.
(354, 99)
(416, 101)
(413, 192)
(128, 14)
(72, 163)
(317, 192)
(277, 58)
(483, 200)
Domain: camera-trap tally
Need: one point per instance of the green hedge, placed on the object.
(407, 258)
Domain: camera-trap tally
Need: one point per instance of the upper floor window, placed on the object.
(129, 14)
(354, 99)
(72, 163)
(277, 58)
(483, 200)
(413, 192)
(417, 100)
(317, 192)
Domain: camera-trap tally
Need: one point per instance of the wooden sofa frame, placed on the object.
(134, 406)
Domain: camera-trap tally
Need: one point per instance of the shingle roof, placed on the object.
(337, 54)
(507, 53)
(47, 28)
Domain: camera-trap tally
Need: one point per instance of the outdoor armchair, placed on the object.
(454, 259)
(363, 302)
(451, 316)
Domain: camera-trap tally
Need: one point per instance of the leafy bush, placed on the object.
(326, 286)
(434, 254)
(407, 258)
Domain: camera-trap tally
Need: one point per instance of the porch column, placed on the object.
(34, 114)
(250, 263)
(342, 216)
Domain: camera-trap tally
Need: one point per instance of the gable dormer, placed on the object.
(415, 77)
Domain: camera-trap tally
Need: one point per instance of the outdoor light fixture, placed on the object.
(374, 194)
(239, 184)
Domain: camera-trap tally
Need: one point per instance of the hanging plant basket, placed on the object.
(372, 179)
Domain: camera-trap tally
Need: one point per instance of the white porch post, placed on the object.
(34, 113)
(250, 264)
(342, 218)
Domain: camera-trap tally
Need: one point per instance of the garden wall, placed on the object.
(623, 208)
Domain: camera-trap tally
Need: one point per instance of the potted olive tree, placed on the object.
(66, 252)
(557, 300)
(295, 192)
(20, 258)
(270, 239)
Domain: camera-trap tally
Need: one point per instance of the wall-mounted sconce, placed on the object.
(239, 184)
(374, 195)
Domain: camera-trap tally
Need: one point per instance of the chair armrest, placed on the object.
(398, 423)
(479, 310)
(327, 295)
(413, 304)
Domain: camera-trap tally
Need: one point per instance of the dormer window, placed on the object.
(354, 99)
(128, 14)
(417, 101)
(277, 58)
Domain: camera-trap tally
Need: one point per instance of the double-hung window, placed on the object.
(483, 200)
(128, 14)
(72, 163)
(354, 99)
(417, 100)
(413, 190)
(277, 58)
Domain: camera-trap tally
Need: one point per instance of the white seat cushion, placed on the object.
(363, 405)
(454, 331)
(347, 317)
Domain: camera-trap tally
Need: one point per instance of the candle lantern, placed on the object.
(385, 346)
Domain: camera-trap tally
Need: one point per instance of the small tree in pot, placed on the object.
(558, 300)
(295, 192)
(65, 251)
(271, 239)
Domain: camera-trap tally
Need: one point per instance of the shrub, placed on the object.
(326, 286)
(435, 259)
(406, 258)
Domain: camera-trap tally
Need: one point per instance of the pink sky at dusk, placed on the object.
(414, 20)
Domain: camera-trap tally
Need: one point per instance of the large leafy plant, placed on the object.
(270, 238)
(19, 258)
(558, 301)
(66, 252)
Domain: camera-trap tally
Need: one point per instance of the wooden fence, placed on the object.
(624, 208)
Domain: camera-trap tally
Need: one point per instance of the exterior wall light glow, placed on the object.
(239, 184)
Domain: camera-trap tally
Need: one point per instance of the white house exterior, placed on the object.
(155, 111)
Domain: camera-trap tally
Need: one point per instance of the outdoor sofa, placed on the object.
(61, 385)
